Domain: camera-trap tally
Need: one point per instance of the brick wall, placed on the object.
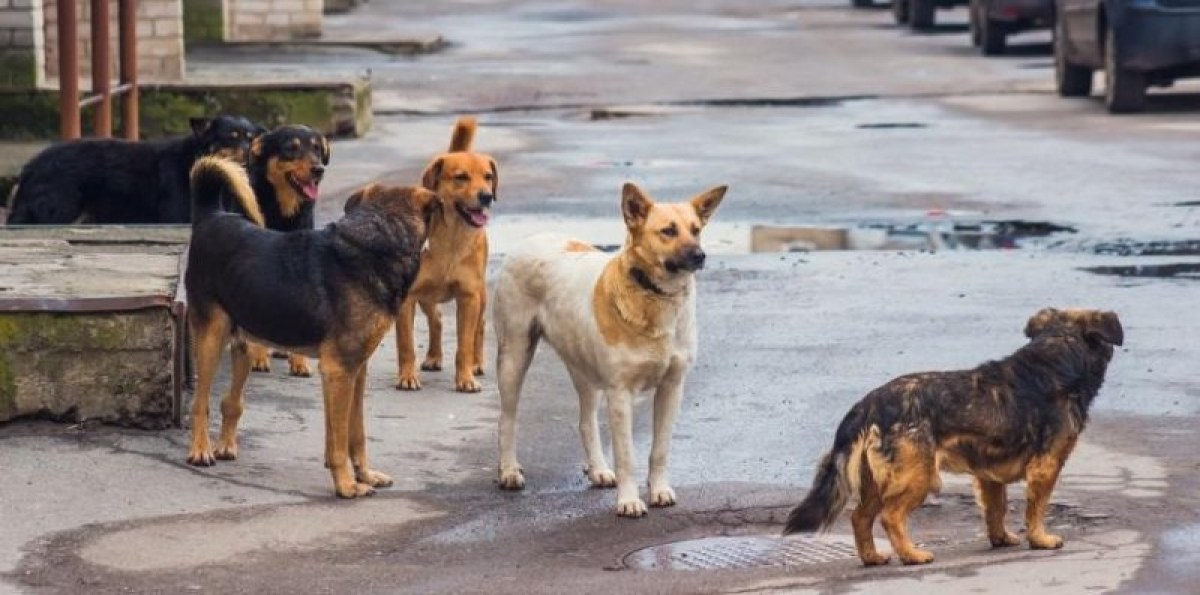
(160, 40)
(21, 42)
(265, 20)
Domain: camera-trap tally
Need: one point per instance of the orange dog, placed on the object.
(453, 266)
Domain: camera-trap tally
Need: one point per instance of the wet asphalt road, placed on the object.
(813, 114)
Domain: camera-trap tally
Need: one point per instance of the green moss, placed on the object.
(28, 115)
(18, 69)
(203, 21)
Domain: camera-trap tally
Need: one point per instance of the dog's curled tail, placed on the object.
(213, 177)
(838, 477)
(464, 135)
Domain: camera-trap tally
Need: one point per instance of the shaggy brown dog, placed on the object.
(331, 294)
(454, 265)
(1004, 421)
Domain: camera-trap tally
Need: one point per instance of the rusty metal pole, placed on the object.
(101, 67)
(68, 71)
(127, 13)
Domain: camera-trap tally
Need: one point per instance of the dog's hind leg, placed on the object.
(666, 407)
(338, 386)
(211, 331)
(863, 518)
(517, 342)
(912, 471)
(620, 423)
(470, 310)
(433, 354)
(406, 351)
(993, 500)
(1040, 476)
(358, 437)
(599, 474)
(479, 332)
(233, 403)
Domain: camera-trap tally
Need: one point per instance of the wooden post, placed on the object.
(101, 75)
(68, 71)
(127, 13)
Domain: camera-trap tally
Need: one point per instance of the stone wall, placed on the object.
(21, 43)
(160, 40)
(272, 20)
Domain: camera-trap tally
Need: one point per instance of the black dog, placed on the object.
(120, 181)
(286, 166)
(331, 293)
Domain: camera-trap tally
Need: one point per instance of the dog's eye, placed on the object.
(487, 177)
(462, 177)
(696, 231)
(235, 135)
(669, 232)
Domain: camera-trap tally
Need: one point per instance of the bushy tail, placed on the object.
(464, 134)
(213, 177)
(838, 477)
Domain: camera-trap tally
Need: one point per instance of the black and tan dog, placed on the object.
(120, 181)
(1007, 420)
(331, 294)
(286, 167)
(454, 267)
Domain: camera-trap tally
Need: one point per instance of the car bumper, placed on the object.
(1154, 36)
(1032, 12)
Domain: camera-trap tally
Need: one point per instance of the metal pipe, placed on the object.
(68, 71)
(127, 13)
(101, 69)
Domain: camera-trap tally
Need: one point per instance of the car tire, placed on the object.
(973, 12)
(1070, 79)
(1124, 90)
(900, 11)
(993, 36)
(921, 14)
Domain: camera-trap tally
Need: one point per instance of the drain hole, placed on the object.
(1156, 248)
(1183, 270)
(891, 125)
(725, 553)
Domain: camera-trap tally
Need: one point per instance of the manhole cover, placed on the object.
(724, 553)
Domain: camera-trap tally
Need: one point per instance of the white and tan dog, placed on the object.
(622, 325)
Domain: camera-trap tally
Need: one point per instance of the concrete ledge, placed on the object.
(90, 328)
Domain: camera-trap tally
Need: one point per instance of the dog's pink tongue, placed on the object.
(310, 190)
(479, 218)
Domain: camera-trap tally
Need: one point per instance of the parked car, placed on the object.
(992, 21)
(1138, 44)
(920, 14)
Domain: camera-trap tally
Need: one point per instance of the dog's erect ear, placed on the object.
(635, 205)
(199, 125)
(358, 197)
(706, 203)
(325, 151)
(432, 174)
(1105, 326)
(256, 148)
(1038, 322)
(259, 130)
(495, 180)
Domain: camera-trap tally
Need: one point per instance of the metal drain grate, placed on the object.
(724, 553)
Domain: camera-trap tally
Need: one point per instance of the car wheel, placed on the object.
(921, 14)
(1071, 79)
(973, 22)
(1124, 90)
(862, 3)
(900, 11)
(993, 36)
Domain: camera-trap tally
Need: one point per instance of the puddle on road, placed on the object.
(1177, 270)
(930, 233)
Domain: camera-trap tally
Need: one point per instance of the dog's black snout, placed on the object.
(318, 170)
(486, 198)
(694, 257)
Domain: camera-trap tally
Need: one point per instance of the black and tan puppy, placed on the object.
(120, 181)
(331, 294)
(1007, 420)
(286, 167)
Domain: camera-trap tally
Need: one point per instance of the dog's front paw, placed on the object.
(374, 478)
(1045, 541)
(662, 496)
(226, 451)
(478, 371)
(1007, 540)
(298, 366)
(432, 364)
(409, 382)
(633, 508)
(874, 559)
(467, 384)
(201, 455)
(601, 477)
(512, 478)
(354, 490)
(260, 363)
(917, 557)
